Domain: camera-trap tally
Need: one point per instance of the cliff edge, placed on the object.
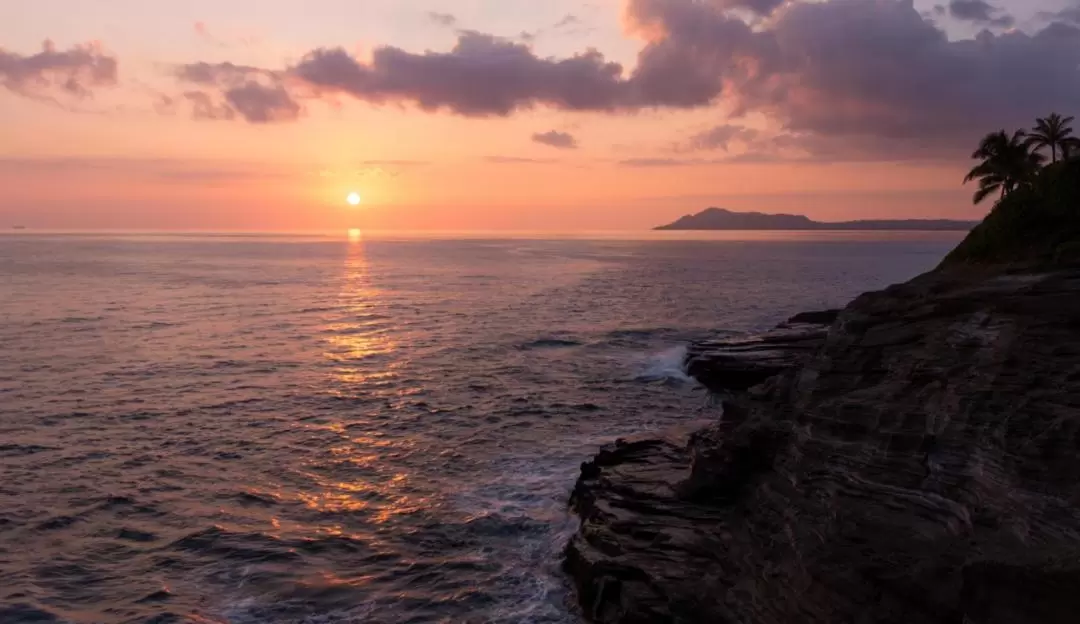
(923, 465)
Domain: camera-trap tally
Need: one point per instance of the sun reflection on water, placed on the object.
(359, 349)
(357, 340)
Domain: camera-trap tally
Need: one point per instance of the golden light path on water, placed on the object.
(356, 340)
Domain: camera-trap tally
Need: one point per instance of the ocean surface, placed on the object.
(319, 429)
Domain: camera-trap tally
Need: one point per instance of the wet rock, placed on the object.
(736, 365)
(922, 464)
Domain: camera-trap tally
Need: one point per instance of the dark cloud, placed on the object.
(75, 72)
(482, 76)
(850, 67)
(228, 90)
(443, 19)
(554, 138)
(980, 12)
(259, 103)
(760, 7)
(875, 74)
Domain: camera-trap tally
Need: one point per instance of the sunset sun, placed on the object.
(354, 199)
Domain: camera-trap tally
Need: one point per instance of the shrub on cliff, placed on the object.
(1037, 223)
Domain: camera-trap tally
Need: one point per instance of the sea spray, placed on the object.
(668, 366)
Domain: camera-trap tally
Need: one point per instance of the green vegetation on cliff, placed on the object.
(1036, 221)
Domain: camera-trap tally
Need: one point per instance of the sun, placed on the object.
(354, 199)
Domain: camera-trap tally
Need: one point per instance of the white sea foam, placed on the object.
(667, 365)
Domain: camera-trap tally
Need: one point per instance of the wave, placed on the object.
(667, 366)
(550, 343)
(21, 612)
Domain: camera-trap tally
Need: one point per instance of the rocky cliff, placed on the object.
(922, 465)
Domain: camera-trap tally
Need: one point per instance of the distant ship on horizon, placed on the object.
(18, 227)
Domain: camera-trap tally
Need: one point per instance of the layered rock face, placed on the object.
(922, 466)
(736, 365)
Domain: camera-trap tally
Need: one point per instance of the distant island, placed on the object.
(721, 219)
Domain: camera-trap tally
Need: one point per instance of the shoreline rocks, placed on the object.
(920, 464)
(736, 365)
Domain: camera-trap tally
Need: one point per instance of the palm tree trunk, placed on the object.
(1053, 153)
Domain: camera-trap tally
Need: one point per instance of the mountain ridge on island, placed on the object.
(722, 219)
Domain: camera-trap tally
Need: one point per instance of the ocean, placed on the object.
(224, 428)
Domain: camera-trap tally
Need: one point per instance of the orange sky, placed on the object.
(114, 157)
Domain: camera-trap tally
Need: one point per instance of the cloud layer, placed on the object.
(979, 12)
(51, 73)
(228, 91)
(875, 73)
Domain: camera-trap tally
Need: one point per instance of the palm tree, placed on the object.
(1007, 163)
(1053, 132)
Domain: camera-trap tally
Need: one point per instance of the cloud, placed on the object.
(483, 76)
(720, 137)
(513, 160)
(254, 94)
(760, 7)
(158, 169)
(259, 103)
(204, 107)
(662, 162)
(443, 19)
(74, 73)
(870, 74)
(554, 138)
(980, 12)
(569, 20)
(1069, 14)
(874, 73)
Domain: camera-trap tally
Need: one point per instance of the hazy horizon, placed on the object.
(463, 115)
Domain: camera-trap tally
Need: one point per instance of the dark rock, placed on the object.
(736, 365)
(922, 464)
(1040, 588)
(824, 317)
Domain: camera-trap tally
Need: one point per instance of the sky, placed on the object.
(511, 114)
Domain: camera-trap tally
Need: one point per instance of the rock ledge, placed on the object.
(922, 464)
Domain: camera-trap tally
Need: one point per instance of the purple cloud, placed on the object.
(980, 12)
(720, 137)
(554, 138)
(228, 90)
(870, 73)
(75, 72)
(483, 76)
(873, 73)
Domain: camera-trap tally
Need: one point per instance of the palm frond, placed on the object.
(984, 192)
